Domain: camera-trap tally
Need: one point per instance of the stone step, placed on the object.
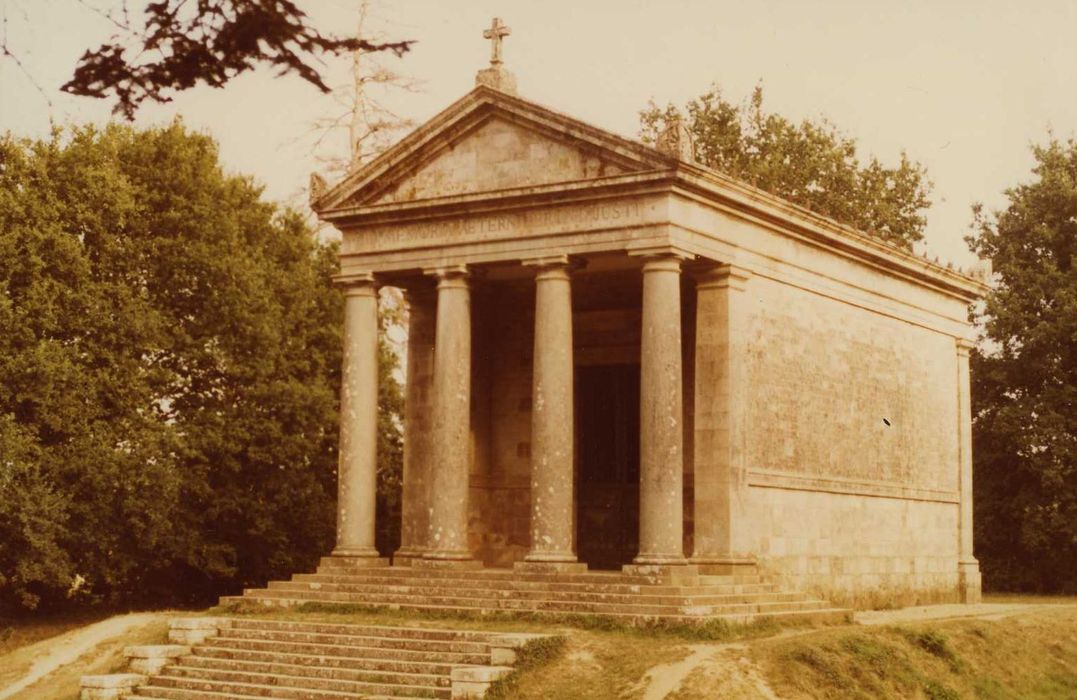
(301, 636)
(335, 565)
(519, 604)
(383, 631)
(424, 589)
(225, 646)
(419, 664)
(821, 615)
(179, 694)
(290, 687)
(286, 666)
(286, 677)
(568, 587)
(515, 605)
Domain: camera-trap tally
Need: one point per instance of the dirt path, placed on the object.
(924, 613)
(725, 666)
(667, 678)
(51, 654)
(729, 667)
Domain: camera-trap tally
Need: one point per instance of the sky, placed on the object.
(963, 86)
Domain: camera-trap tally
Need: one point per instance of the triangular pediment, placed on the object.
(489, 142)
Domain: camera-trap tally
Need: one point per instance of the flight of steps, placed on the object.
(251, 658)
(628, 596)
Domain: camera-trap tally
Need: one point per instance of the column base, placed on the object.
(550, 567)
(406, 556)
(725, 564)
(357, 553)
(969, 582)
(678, 572)
(447, 560)
(356, 562)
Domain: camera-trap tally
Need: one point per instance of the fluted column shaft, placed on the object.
(357, 471)
(661, 520)
(552, 501)
(418, 422)
(451, 425)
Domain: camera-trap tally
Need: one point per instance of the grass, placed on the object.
(1029, 655)
(21, 632)
(532, 656)
(1034, 656)
(63, 684)
(17, 634)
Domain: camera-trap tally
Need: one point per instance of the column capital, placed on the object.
(357, 283)
(964, 346)
(449, 275)
(721, 276)
(553, 266)
(661, 252)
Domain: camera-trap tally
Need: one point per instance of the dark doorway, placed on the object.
(607, 425)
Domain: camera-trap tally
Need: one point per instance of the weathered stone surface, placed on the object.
(150, 659)
(474, 682)
(357, 482)
(194, 630)
(109, 687)
(801, 389)
(418, 456)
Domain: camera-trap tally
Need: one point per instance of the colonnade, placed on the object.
(437, 417)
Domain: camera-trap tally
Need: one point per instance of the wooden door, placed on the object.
(607, 435)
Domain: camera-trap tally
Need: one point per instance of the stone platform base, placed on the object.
(639, 593)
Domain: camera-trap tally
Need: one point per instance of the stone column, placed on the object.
(968, 566)
(722, 529)
(357, 472)
(447, 541)
(418, 422)
(552, 500)
(661, 489)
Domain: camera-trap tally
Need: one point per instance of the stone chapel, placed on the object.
(623, 363)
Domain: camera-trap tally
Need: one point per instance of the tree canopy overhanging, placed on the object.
(181, 44)
(812, 164)
(169, 369)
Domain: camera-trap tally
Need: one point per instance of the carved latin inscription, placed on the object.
(494, 226)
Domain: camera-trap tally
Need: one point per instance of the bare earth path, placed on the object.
(923, 613)
(729, 667)
(51, 654)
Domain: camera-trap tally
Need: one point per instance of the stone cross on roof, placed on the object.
(496, 33)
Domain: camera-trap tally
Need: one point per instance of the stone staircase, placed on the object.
(629, 596)
(242, 659)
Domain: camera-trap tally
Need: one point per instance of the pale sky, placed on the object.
(964, 86)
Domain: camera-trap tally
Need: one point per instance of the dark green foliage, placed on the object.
(1024, 394)
(182, 44)
(169, 365)
(812, 164)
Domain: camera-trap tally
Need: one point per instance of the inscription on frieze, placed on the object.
(493, 226)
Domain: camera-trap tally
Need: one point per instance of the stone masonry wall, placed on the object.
(852, 448)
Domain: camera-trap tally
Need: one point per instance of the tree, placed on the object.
(180, 44)
(360, 110)
(169, 370)
(1025, 382)
(812, 164)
